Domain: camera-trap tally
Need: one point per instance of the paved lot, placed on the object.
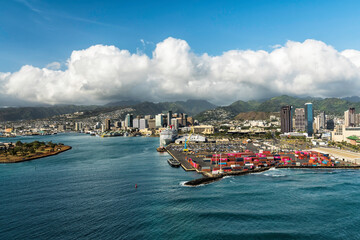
(341, 154)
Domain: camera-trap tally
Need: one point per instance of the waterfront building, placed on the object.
(128, 120)
(286, 119)
(78, 126)
(136, 122)
(148, 117)
(300, 119)
(107, 124)
(342, 133)
(309, 118)
(143, 123)
(152, 123)
(117, 124)
(159, 120)
(175, 123)
(169, 117)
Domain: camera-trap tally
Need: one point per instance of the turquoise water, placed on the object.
(88, 193)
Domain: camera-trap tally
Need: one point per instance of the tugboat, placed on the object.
(173, 162)
(161, 149)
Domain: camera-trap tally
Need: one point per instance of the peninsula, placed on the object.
(21, 152)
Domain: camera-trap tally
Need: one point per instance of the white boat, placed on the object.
(167, 136)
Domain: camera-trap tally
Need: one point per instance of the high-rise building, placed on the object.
(128, 120)
(309, 118)
(169, 117)
(322, 120)
(286, 119)
(78, 126)
(349, 117)
(143, 123)
(330, 124)
(152, 123)
(107, 124)
(175, 123)
(300, 119)
(136, 122)
(159, 121)
(184, 119)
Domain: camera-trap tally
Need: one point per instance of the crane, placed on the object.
(187, 140)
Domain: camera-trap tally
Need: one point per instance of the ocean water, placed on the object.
(89, 193)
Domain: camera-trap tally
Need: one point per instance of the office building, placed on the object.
(300, 119)
(128, 120)
(152, 123)
(107, 124)
(349, 117)
(169, 117)
(309, 119)
(159, 121)
(143, 123)
(175, 123)
(136, 122)
(286, 119)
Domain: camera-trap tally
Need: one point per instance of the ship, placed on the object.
(167, 136)
(173, 162)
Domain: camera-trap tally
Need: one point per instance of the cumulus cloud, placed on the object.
(103, 73)
(54, 66)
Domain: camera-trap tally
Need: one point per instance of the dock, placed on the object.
(179, 157)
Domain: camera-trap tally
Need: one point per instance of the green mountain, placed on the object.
(333, 106)
(191, 107)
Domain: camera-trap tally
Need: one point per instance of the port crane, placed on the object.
(187, 140)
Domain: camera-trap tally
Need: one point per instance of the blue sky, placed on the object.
(39, 32)
(61, 52)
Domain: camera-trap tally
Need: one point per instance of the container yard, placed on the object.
(212, 161)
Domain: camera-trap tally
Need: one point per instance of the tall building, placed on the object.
(143, 123)
(107, 124)
(330, 124)
(300, 119)
(152, 123)
(349, 117)
(78, 126)
(128, 120)
(169, 117)
(322, 120)
(159, 121)
(175, 123)
(309, 118)
(286, 119)
(136, 122)
(184, 120)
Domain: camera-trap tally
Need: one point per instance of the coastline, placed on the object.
(44, 155)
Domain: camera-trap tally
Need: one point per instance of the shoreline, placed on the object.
(66, 148)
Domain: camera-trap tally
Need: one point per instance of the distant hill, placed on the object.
(353, 99)
(126, 103)
(255, 115)
(191, 107)
(334, 106)
(27, 113)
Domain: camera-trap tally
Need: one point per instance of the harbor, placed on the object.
(215, 161)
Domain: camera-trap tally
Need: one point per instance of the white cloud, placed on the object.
(54, 66)
(103, 73)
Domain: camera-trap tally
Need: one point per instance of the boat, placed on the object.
(174, 163)
(161, 149)
(167, 136)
